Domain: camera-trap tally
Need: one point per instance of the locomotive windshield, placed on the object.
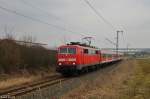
(63, 50)
(71, 50)
(68, 50)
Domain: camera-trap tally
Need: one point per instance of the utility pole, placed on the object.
(127, 49)
(117, 41)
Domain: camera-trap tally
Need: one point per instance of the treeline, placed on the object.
(15, 57)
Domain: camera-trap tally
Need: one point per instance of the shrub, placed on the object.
(14, 56)
(10, 56)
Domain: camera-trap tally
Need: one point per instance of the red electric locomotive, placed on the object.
(75, 57)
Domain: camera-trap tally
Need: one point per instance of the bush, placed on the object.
(14, 56)
(10, 56)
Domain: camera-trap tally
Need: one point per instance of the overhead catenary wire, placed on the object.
(48, 14)
(101, 17)
(111, 42)
(44, 22)
(39, 9)
(99, 14)
(34, 19)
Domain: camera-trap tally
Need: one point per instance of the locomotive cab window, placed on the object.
(72, 50)
(68, 50)
(85, 51)
(63, 50)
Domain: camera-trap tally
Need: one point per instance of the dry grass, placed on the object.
(138, 87)
(16, 80)
(23, 63)
(106, 86)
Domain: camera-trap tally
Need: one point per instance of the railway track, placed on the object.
(24, 89)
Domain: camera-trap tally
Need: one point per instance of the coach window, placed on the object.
(86, 51)
(89, 51)
(96, 52)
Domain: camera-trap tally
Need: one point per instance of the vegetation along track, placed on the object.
(24, 89)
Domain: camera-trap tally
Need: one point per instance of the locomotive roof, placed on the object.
(81, 44)
(104, 51)
(78, 44)
(68, 45)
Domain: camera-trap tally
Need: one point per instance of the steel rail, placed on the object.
(31, 87)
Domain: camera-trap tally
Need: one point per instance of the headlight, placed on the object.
(72, 59)
(61, 59)
(73, 63)
(60, 64)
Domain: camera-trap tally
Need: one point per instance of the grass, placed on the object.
(8, 81)
(16, 81)
(138, 87)
(105, 86)
(131, 80)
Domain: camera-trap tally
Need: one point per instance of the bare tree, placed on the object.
(28, 40)
(8, 31)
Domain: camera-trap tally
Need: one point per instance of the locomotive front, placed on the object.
(67, 58)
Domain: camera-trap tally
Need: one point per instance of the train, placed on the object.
(75, 58)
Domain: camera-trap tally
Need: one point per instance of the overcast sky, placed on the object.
(79, 20)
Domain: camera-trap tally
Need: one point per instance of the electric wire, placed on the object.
(98, 14)
(25, 2)
(42, 10)
(34, 19)
(111, 42)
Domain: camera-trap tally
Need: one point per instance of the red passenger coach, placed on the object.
(75, 57)
(110, 56)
